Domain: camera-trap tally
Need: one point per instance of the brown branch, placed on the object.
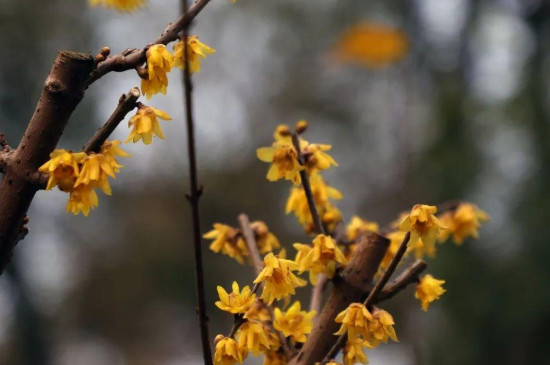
(409, 276)
(126, 104)
(133, 58)
(195, 190)
(373, 294)
(348, 288)
(251, 243)
(4, 152)
(63, 90)
(317, 293)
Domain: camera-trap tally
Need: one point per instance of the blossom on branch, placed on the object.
(63, 168)
(279, 281)
(294, 323)
(237, 301)
(353, 352)
(380, 328)
(228, 351)
(119, 5)
(82, 199)
(462, 223)
(284, 161)
(195, 49)
(228, 241)
(428, 290)
(265, 240)
(251, 335)
(355, 320)
(159, 63)
(322, 256)
(357, 226)
(423, 225)
(145, 123)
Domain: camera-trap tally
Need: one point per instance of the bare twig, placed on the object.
(196, 191)
(126, 104)
(133, 58)
(63, 90)
(373, 294)
(251, 243)
(317, 293)
(408, 276)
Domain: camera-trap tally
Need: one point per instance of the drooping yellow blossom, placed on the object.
(322, 194)
(396, 238)
(462, 223)
(111, 150)
(279, 281)
(82, 199)
(380, 327)
(94, 172)
(119, 5)
(258, 312)
(227, 241)
(283, 133)
(371, 45)
(196, 51)
(265, 240)
(237, 301)
(321, 256)
(251, 335)
(284, 161)
(159, 63)
(423, 225)
(428, 290)
(357, 226)
(274, 358)
(353, 352)
(145, 123)
(355, 320)
(63, 168)
(315, 157)
(294, 323)
(228, 351)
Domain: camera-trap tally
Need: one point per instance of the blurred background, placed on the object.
(462, 113)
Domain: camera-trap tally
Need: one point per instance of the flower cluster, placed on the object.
(160, 62)
(79, 174)
(322, 256)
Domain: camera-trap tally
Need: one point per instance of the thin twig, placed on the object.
(408, 276)
(126, 104)
(194, 195)
(373, 294)
(257, 262)
(251, 243)
(131, 59)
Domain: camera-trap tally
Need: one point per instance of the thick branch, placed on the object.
(409, 276)
(374, 293)
(126, 104)
(130, 60)
(63, 90)
(350, 288)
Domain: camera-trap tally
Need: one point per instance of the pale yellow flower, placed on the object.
(284, 161)
(353, 352)
(355, 320)
(316, 158)
(145, 123)
(82, 199)
(265, 240)
(258, 311)
(251, 335)
(380, 327)
(357, 226)
(237, 301)
(423, 225)
(196, 51)
(322, 256)
(119, 5)
(227, 240)
(159, 63)
(428, 290)
(63, 168)
(294, 323)
(279, 281)
(228, 351)
(462, 223)
(94, 172)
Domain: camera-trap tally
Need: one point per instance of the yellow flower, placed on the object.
(82, 199)
(462, 223)
(322, 193)
(294, 323)
(396, 238)
(274, 358)
(110, 150)
(265, 240)
(355, 320)
(279, 280)
(251, 335)
(237, 301)
(371, 45)
(119, 5)
(227, 241)
(380, 327)
(228, 351)
(63, 168)
(321, 257)
(258, 311)
(94, 172)
(145, 123)
(423, 225)
(357, 226)
(283, 133)
(196, 51)
(428, 290)
(284, 161)
(315, 157)
(353, 352)
(332, 363)
(159, 63)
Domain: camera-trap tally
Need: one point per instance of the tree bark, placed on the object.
(63, 90)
